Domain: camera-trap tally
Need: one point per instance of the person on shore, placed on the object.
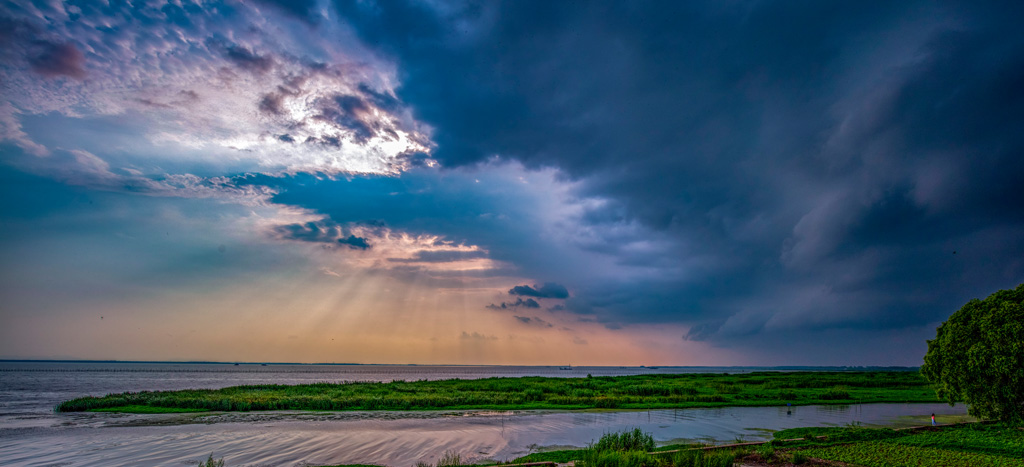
(933, 419)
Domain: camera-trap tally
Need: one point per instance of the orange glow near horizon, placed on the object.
(362, 318)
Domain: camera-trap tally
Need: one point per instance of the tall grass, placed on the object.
(211, 462)
(597, 458)
(449, 459)
(703, 459)
(635, 440)
(632, 448)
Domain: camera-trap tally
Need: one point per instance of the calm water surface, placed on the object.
(32, 434)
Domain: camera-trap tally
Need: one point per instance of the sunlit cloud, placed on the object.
(378, 247)
(269, 97)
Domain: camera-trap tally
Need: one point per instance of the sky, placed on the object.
(528, 182)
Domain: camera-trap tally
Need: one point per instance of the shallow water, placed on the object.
(31, 434)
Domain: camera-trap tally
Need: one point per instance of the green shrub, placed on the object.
(635, 440)
(788, 395)
(211, 462)
(605, 403)
(533, 394)
(647, 390)
(836, 393)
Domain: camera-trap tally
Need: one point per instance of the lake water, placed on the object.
(31, 434)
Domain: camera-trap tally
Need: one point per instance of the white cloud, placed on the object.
(272, 96)
(10, 130)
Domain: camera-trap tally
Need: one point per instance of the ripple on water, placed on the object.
(32, 434)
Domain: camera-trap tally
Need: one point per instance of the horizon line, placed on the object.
(214, 362)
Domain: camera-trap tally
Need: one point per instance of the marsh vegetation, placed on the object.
(660, 391)
(965, 445)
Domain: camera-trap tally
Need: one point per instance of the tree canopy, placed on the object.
(977, 357)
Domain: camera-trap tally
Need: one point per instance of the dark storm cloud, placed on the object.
(304, 10)
(58, 60)
(271, 103)
(802, 165)
(548, 290)
(701, 332)
(441, 256)
(381, 100)
(324, 231)
(533, 321)
(248, 60)
(355, 114)
(354, 242)
(528, 303)
(476, 336)
(347, 111)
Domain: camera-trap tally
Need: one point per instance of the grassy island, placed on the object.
(658, 391)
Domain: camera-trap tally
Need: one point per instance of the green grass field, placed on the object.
(619, 392)
(968, 445)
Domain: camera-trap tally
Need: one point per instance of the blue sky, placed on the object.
(700, 183)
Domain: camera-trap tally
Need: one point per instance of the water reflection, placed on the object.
(403, 439)
(838, 409)
(32, 434)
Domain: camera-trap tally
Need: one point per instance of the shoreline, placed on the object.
(313, 416)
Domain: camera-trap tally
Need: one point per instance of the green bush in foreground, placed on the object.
(632, 449)
(211, 462)
(977, 357)
(635, 440)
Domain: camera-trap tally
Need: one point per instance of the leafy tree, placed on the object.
(977, 357)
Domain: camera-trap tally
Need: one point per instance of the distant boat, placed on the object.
(565, 368)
